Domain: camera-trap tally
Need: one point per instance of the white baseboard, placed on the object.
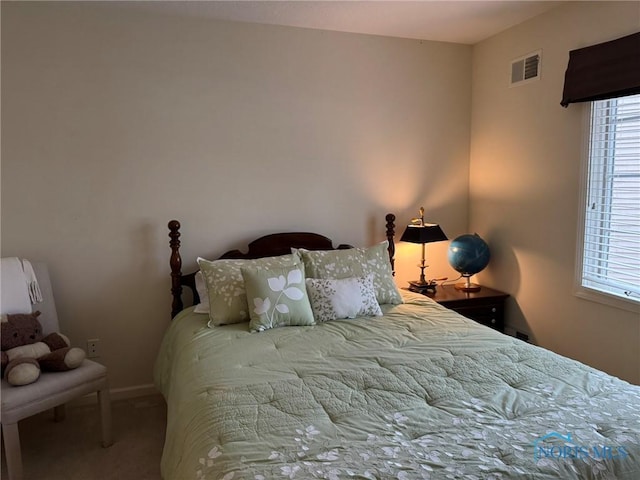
(133, 392)
(118, 394)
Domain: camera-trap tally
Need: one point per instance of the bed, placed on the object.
(413, 392)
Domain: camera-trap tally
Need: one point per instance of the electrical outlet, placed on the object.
(93, 348)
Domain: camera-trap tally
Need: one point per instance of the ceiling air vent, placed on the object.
(526, 69)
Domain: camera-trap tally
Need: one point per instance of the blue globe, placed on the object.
(468, 254)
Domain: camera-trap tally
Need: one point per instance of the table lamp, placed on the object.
(422, 233)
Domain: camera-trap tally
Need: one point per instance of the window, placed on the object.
(610, 261)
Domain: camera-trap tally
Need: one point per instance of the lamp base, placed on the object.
(422, 287)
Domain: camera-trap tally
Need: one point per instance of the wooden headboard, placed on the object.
(267, 246)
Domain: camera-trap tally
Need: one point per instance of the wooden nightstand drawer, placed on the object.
(485, 306)
(489, 315)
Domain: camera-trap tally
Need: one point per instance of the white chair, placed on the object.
(51, 390)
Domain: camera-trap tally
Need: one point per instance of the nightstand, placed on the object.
(485, 306)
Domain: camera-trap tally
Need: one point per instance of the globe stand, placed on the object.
(468, 286)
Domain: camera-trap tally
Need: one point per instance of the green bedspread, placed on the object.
(418, 393)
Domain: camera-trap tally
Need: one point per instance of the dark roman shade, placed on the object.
(606, 70)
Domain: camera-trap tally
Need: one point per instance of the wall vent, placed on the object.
(526, 69)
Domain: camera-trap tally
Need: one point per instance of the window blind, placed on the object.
(611, 254)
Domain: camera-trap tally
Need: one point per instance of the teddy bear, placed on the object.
(26, 351)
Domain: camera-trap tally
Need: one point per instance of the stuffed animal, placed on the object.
(26, 351)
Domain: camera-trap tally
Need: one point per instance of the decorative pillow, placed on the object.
(201, 288)
(342, 298)
(355, 262)
(333, 263)
(377, 258)
(225, 286)
(277, 297)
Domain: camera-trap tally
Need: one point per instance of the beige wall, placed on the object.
(114, 122)
(524, 185)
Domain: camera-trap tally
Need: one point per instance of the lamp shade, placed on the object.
(427, 233)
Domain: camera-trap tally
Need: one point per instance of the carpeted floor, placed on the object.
(71, 450)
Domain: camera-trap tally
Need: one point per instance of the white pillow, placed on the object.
(15, 290)
(203, 293)
(352, 297)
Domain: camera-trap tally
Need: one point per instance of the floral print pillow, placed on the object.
(345, 263)
(377, 262)
(332, 299)
(225, 285)
(355, 262)
(277, 297)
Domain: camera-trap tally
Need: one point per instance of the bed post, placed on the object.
(391, 231)
(175, 262)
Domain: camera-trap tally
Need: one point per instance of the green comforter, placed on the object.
(418, 393)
